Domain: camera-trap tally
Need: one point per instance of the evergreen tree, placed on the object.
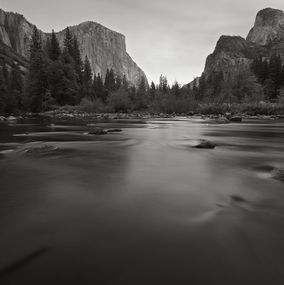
(152, 91)
(16, 89)
(98, 87)
(53, 48)
(125, 84)
(202, 87)
(110, 84)
(176, 90)
(69, 88)
(3, 91)
(274, 73)
(140, 101)
(118, 82)
(36, 83)
(163, 84)
(87, 78)
(68, 42)
(76, 55)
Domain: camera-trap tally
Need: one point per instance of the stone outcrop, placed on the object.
(105, 48)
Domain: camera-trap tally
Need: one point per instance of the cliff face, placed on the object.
(265, 38)
(231, 53)
(268, 27)
(105, 48)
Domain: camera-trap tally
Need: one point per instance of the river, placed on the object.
(141, 206)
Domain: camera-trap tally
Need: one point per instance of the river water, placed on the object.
(141, 206)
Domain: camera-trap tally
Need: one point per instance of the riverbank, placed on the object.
(260, 111)
(87, 116)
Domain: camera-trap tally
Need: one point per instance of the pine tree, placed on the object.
(140, 100)
(98, 87)
(163, 85)
(202, 87)
(125, 84)
(176, 90)
(87, 78)
(76, 55)
(68, 42)
(3, 91)
(118, 82)
(87, 74)
(274, 73)
(110, 81)
(53, 48)
(68, 86)
(16, 88)
(152, 91)
(36, 83)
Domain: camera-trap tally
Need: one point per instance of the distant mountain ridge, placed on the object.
(105, 48)
(234, 52)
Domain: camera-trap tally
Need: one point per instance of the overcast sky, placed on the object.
(169, 37)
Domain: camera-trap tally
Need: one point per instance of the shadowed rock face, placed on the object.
(230, 54)
(233, 53)
(105, 48)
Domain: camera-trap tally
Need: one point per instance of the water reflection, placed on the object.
(141, 206)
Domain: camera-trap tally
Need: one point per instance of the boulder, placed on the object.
(236, 119)
(98, 131)
(114, 130)
(11, 118)
(205, 144)
(278, 174)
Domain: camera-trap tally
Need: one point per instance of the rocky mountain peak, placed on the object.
(230, 44)
(268, 27)
(106, 49)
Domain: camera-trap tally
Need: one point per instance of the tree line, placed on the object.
(58, 77)
(262, 80)
(270, 74)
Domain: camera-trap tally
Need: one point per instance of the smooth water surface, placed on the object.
(141, 206)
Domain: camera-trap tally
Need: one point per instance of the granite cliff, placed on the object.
(105, 48)
(264, 39)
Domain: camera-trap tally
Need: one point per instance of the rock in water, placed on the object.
(11, 118)
(114, 130)
(236, 119)
(278, 174)
(205, 144)
(98, 131)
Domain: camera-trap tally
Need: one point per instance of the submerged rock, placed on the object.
(98, 131)
(221, 120)
(278, 174)
(205, 144)
(11, 118)
(268, 171)
(114, 130)
(238, 199)
(236, 119)
(41, 150)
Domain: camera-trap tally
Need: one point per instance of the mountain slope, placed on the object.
(105, 48)
(264, 39)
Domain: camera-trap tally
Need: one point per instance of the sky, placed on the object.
(169, 37)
